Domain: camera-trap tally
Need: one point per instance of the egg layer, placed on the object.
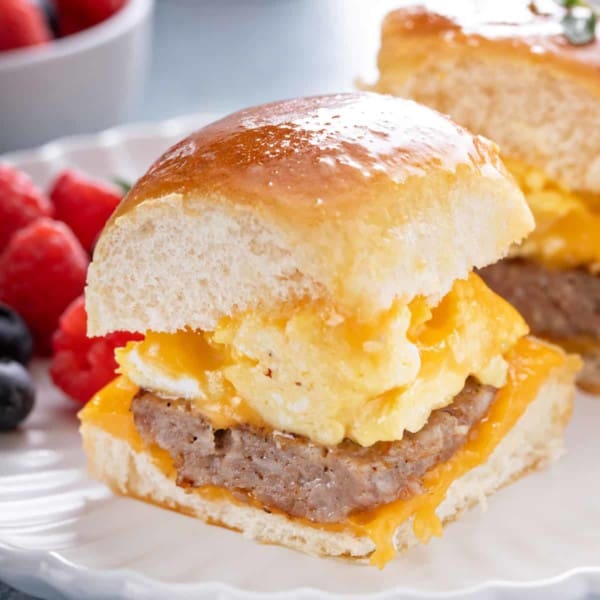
(309, 371)
(567, 225)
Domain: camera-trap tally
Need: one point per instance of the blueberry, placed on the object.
(17, 394)
(48, 8)
(15, 339)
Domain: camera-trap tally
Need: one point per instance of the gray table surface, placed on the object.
(220, 55)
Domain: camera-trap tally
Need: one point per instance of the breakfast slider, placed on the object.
(526, 75)
(321, 368)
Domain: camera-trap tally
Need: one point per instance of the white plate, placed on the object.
(61, 533)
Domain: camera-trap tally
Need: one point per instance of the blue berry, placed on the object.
(17, 394)
(15, 339)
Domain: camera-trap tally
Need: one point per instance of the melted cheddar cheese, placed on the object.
(530, 362)
(567, 225)
(312, 372)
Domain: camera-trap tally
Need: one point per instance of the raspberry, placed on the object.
(20, 202)
(22, 24)
(83, 204)
(72, 325)
(42, 269)
(80, 365)
(75, 15)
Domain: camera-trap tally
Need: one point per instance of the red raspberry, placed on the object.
(22, 23)
(75, 15)
(41, 270)
(81, 366)
(83, 204)
(20, 202)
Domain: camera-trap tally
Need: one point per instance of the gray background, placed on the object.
(220, 55)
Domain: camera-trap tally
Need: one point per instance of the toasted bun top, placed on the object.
(529, 28)
(309, 158)
(503, 69)
(356, 198)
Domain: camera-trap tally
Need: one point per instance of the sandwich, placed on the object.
(321, 368)
(526, 75)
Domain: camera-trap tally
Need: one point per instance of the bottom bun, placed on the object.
(588, 378)
(535, 440)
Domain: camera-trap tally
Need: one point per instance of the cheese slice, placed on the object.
(530, 362)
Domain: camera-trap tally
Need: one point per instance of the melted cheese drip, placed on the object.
(184, 365)
(110, 410)
(530, 363)
(567, 225)
(311, 372)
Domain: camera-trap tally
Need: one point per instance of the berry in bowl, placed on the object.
(69, 66)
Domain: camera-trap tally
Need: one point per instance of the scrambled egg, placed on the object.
(567, 225)
(311, 372)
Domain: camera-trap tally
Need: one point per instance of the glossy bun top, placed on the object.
(313, 153)
(356, 199)
(531, 27)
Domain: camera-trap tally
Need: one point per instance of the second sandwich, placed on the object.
(526, 75)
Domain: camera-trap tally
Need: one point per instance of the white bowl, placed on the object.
(81, 83)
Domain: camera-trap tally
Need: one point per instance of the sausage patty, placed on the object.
(561, 305)
(558, 304)
(290, 473)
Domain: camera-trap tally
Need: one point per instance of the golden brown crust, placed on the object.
(309, 158)
(511, 27)
(359, 199)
